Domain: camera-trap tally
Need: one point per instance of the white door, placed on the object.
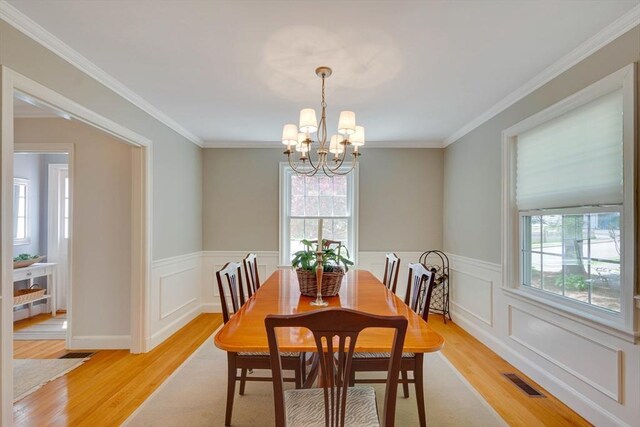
(58, 228)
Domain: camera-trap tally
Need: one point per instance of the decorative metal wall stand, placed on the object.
(440, 297)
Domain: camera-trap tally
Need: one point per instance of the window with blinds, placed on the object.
(569, 194)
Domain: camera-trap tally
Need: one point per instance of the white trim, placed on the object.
(158, 337)
(100, 342)
(626, 320)
(177, 259)
(33, 30)
(276, 144)
(599, 40)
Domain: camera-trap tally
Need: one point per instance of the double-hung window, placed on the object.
(20, 211)
(306, 199)
(569, 202)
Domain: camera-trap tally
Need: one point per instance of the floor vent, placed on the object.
(523, 385)
(77, 355)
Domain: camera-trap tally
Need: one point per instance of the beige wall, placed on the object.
(400, 199)
(101, 223)
(472, 178)
(177, 163)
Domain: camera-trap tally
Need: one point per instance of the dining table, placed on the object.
(360, 290)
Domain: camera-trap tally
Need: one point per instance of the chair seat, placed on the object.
(386, 355)
(257, 353)
(305, 407)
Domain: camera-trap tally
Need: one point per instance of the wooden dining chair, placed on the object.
(391, 270)
(229, 280)
(343, 405)
(250, 263)
(418, 297)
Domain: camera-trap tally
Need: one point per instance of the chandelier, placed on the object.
(298, 140)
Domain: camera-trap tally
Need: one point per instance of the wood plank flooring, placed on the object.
(105, 390)
(109, 387)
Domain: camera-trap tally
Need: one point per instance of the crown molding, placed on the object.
(33, 30)
(370, 144)
(599, 40)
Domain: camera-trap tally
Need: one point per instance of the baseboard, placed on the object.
(98, 342)
(164, 333)
(588, 408)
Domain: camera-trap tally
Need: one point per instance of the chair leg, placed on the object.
(243, 380)
(231, 386)
(297, 375)
(352, 378)
(405, 384)
(419, 383)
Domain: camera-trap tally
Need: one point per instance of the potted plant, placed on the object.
(335, 263)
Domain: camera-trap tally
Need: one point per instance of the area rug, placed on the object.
(54, 328)
(195, 395)
(31, 374)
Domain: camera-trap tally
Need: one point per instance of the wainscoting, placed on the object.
(594, 372)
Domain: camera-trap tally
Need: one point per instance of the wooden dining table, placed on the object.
(361, 290)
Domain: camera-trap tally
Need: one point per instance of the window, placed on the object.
(304, 200)
(20, 209)
(569, 202)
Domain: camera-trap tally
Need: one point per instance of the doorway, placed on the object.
(136, 197)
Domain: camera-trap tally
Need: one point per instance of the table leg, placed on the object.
(52, 290)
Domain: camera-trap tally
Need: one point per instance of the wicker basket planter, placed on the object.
(331, 282)
(27, 263)
(23, 296)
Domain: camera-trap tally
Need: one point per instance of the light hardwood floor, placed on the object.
(109, 387)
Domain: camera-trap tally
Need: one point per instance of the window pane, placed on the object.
(297, 185)
(22, 207)
(312, 186)
(552, 273)
(536, 271)
(576, 286)
(325, 186)
(311, 206)
(296, 229)
(326, 206)
(327, 229)
(340, 185)
(605, 285)
(340, 206)
(297, 205)
(340, 228)
(66, 228)
(21, 228)
(552, 234)
(311, 229)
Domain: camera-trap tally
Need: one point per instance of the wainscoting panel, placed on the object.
(213, 261)
(598, 365)
(175, 295)
(590, 369)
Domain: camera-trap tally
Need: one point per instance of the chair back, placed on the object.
(328, 327)
(419, 289)
(230, 287)
(391, 269)
(251, 274)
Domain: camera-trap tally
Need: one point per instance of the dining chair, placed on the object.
(391, 270)
(250, 263)
(229, 280)
(341, 405)
(418, 297)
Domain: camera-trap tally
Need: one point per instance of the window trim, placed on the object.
(27, 238)
(627, 320)
(283, 225)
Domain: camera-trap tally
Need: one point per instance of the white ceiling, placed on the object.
(238, 70)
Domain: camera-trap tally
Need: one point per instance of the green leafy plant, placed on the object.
(573, 282)
(333, 259)
(25, 257)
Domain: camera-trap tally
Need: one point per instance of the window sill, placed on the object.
(21, 242)
(607, 323)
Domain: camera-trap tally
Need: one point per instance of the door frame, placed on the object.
(141, 238)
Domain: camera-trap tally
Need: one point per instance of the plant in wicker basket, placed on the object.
(335, 263)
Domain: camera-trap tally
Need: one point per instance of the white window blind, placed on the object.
(574, 159)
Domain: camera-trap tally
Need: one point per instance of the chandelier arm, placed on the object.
(296, 166)
(354, 163)
(344, 156)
